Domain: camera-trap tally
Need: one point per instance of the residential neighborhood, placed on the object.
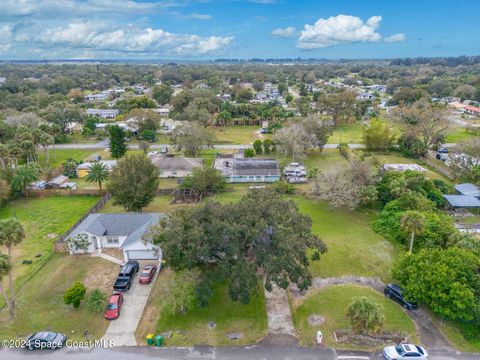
(239, 180)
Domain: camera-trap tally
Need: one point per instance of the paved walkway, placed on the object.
(430, 336)
(278, 312)
(122, 330)
(108, 257)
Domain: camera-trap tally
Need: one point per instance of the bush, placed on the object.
(75, 294)
(411, 146)
(149, 135)
(283, 187)
(345, 151)
(268, 146)
(257, 146)
(248, 152)
(365, 315)
(70, 168)
(96, 301)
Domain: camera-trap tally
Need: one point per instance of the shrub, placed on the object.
(268, 146)
(345, 151)
(75, 294)
(70, 168)
(96, 301)
(283, 187)
(365, 315)
(257, 146)
(248, 152)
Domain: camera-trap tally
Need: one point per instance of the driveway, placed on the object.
(122, 330)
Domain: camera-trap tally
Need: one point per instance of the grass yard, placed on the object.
(351, 133)
(458, 134)
(325, 159)
(159, 204)
(353, 247)
(192, 328)
(64, 154)
(238, 134)
(40, 305)
(332, 304)
(453, 335)
(43, 219)
(395, 158)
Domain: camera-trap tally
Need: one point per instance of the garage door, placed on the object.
(141, 255)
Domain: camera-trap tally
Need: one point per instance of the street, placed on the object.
(254, 352)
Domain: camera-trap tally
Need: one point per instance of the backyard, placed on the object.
(43, 219)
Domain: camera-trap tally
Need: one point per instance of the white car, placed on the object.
(405, 351)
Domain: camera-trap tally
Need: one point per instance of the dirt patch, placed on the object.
(377, 340)
(101, 275)
(116, 253)
(316, 320)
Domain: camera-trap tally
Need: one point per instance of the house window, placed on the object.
(111, 240)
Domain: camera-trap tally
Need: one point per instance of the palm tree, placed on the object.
(413, 222)
(46, 140)
(4, 270)
(11, 234)
(24, 175)
(98, 173)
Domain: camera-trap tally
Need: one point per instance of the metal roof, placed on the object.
(468, 189)
(462, 201)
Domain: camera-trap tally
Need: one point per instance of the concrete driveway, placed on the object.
(122, 330)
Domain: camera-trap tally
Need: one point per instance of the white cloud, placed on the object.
(285, 32)
(196, 16)
(125, 39)
(339, 29)
(5, 32)
(395, 38)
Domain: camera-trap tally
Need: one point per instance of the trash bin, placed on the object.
(149, 339)
(158, 340)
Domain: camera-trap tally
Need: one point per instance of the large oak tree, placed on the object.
(262, 234)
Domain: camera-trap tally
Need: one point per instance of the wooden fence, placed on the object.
(63, 192)
(60, 245)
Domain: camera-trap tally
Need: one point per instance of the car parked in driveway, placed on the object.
(147, 274)
(45, 340)
(405, 351)
(395, 292)
(114, 306)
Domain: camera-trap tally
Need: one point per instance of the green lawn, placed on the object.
(40, 304)
(458, 134)
(353, 247)
(351, 133)
(332, 304)
(64, 154)
(159, 204)
(43, 219)
(237, 135)
(192, 328)
(453, 335)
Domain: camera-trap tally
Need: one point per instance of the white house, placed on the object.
(125, 231)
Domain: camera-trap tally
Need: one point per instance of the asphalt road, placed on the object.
(255, 352)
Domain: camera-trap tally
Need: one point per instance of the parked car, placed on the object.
(45, 340)
(129, 269)
(405, 351)
(443, 150)
(395, 292)
(147, 274)
(114, 306)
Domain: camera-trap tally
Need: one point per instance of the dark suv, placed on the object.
(395, 292)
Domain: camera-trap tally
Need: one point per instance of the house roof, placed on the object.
(175, 163)
(462, 201)
(132, 225)
(247, 167)
(110, 164)
(468, 189)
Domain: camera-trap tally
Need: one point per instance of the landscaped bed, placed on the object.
(192, 328)
(40, 304)
(332, 302)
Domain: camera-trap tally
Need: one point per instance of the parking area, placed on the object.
(122, 330)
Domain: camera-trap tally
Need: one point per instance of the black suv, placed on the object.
(129, 269)
(393, 291)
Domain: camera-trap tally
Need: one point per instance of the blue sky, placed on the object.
(206, 29)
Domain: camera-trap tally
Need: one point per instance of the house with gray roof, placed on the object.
(468, 189)
(247, 170)
(125, 231)
(176, 167)
(462, 201)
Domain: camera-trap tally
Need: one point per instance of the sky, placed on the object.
(243, 29)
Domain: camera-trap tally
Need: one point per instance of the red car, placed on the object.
(114, 305)
(148, 272)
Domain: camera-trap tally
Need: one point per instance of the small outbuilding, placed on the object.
(245, 170)
(468, 189)
(176, 167)
(462, 202)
